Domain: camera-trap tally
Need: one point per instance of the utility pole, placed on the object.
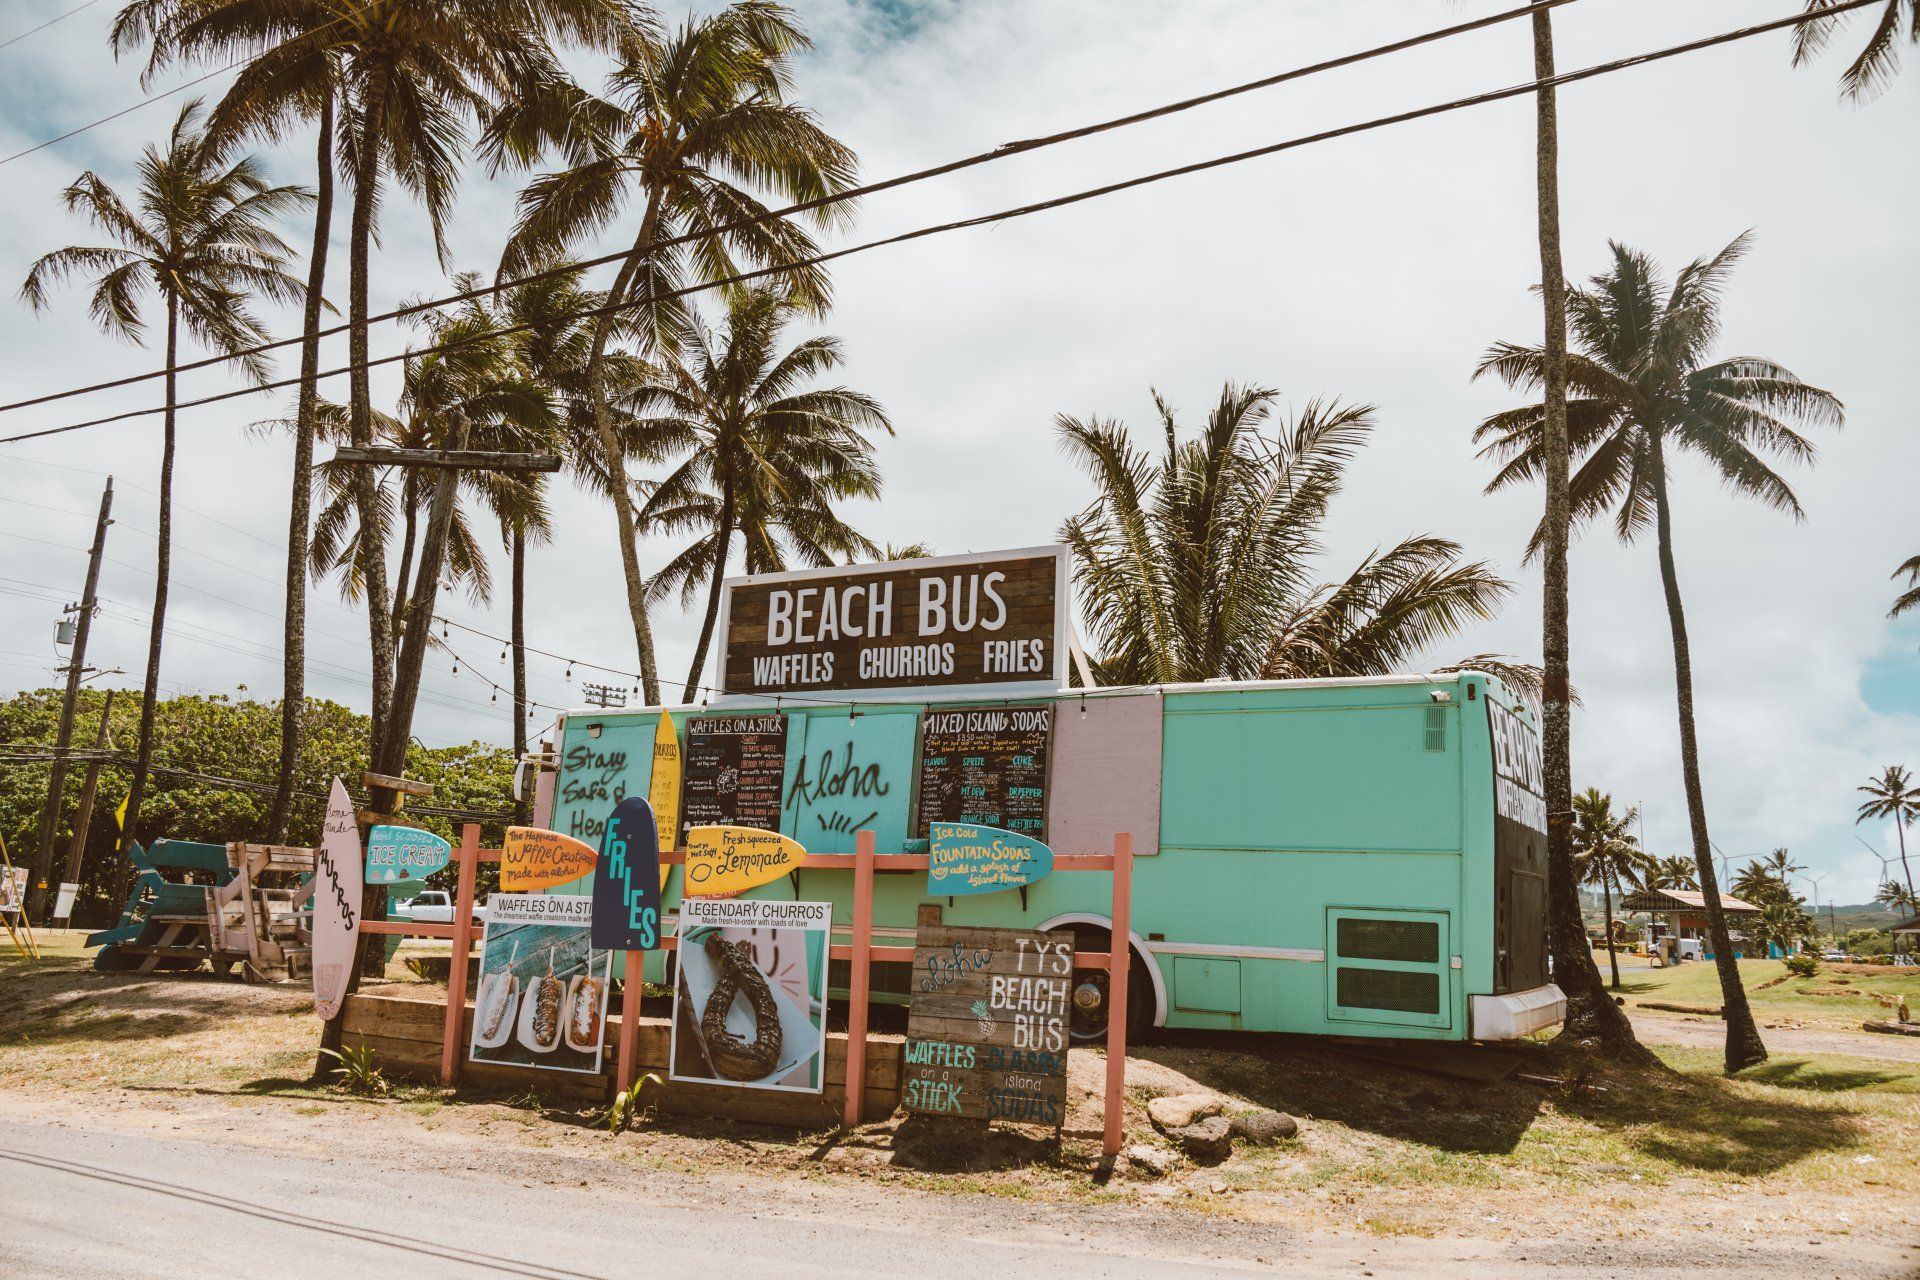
(50, 816)
(77, 850)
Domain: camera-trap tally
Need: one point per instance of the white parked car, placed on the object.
(435, 906)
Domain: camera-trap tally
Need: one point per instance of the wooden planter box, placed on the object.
(405, 1036)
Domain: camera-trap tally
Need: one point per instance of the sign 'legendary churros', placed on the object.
(994, 620)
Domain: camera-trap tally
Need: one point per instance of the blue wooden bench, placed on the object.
(164, 924)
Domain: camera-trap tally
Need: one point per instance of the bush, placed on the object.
(1802, 966)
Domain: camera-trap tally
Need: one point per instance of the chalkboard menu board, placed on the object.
(987, 1029)
(986, 765)
(734, 769)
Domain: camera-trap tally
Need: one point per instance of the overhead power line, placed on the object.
(1001, 152)
(10, 41)
(148, 101)
(1004, 215)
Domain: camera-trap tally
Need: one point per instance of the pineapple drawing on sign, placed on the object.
(985, 1015)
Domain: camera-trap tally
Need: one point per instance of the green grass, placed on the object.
(1829, 999)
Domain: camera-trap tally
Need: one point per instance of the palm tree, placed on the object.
(1785, 923)
(1899, 897)
(479, 392)
(1910, 598)
(1893, 794)
(1606, 854)
(1644, 389)
(696, 121)
(1873, 69)
(1674, 872)
(200, 236)
(1592, 1016)
(1765, 880)
(290, 77)
(404, 76)
(768, 456)
(1197, 563)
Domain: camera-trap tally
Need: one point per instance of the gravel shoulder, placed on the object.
(1710, 1033)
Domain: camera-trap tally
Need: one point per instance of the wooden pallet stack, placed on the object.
(258, 920)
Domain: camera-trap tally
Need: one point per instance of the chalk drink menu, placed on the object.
(986, 765)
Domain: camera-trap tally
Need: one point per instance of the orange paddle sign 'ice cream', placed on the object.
(532, 859)
(728, 860)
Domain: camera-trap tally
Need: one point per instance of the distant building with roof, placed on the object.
(1681, 914)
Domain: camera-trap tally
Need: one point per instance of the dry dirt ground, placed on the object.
(1810, 1164)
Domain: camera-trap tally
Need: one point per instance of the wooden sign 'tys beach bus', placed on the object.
(987, 1029)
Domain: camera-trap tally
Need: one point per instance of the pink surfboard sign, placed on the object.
(337, 881)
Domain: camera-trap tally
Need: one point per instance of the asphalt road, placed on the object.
(78, 1203)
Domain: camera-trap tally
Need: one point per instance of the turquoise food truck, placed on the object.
(1359, 857)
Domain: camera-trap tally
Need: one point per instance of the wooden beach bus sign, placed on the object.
(995, 621)
(966, 858)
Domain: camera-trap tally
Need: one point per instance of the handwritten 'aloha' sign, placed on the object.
(963, 857)
(532, 859)
(728, 860)
(404, 853)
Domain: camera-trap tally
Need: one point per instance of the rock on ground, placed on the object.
(1264, 1126)
(1206, 1141)
(1182, 1110)
(1154, 1162)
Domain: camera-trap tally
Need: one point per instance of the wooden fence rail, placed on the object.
(859, 951)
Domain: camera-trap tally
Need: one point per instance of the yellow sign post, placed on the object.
(663, 793)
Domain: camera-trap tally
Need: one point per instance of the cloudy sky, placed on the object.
(1375, 268)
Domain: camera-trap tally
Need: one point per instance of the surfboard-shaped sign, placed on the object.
(396, 854)
(626, 881)
(663, 792)
(726, 860)
(963, 857)
(532, 859)
(336, 904)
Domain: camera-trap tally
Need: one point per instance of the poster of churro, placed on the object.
(542, 997)
(750, 999)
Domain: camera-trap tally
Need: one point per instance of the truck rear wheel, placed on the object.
(1091, 1005)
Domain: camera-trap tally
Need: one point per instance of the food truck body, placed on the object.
(1357, 857)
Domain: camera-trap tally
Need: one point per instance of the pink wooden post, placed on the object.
(1118, 965)
(630, 1020)
(454, 1035)
(860, 960)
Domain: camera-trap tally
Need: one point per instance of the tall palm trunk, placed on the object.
(723, 537)
(1744, 1048)
(1592, 1016)
(372, 542)
(162, 569)
(293, 696)
(1900, 830)
(420, 603)
(402, 592)
(1606, 907)
(522, 807)
(615, 457)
